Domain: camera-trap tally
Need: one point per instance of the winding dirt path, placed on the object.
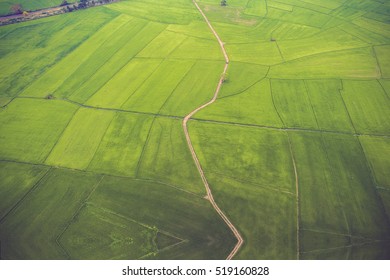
(210, 197)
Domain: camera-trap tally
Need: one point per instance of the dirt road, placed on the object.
(210, 197)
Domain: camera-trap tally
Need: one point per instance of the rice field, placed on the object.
(94, 163)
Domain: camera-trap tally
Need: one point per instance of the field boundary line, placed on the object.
(61, 135)
(210, 197)
(149, 180)
(323, 144)
(347, 246)
(374, 181)
(384, 90)
(144, 147)
(298, 219)
(20, 201)
(247, 88)
(114, 117)
(162, 60)
(377, 62)
(176, 86)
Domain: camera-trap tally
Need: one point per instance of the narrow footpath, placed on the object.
(210, 197)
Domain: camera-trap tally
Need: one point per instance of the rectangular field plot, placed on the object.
(358, 194)
(368, 106)
(166, 157)
(32, 229)
(252, 106)
(337, 194)
(196, 88)
(321, 207)
(122, 145)
(377, 150)
(157, 89)
(265, 53)
(250, 208)
(79, 142)
(293, 103)
(187, 221)
(356, 63)
(328, 105)
(16, 180)
(249, 155)
(128, 79)
(49, 81)
(30, 128)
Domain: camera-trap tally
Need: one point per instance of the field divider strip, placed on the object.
(298, 219)
(178, 188)
(210, 197)
(61, 135)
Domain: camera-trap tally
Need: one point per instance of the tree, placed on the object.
(83, 3)
(16, 9)
(223, 3)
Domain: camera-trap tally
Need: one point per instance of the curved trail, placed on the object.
(210, 197)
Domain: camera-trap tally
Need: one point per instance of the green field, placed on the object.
(94, 162)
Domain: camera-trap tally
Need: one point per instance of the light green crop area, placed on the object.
(95, 164)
